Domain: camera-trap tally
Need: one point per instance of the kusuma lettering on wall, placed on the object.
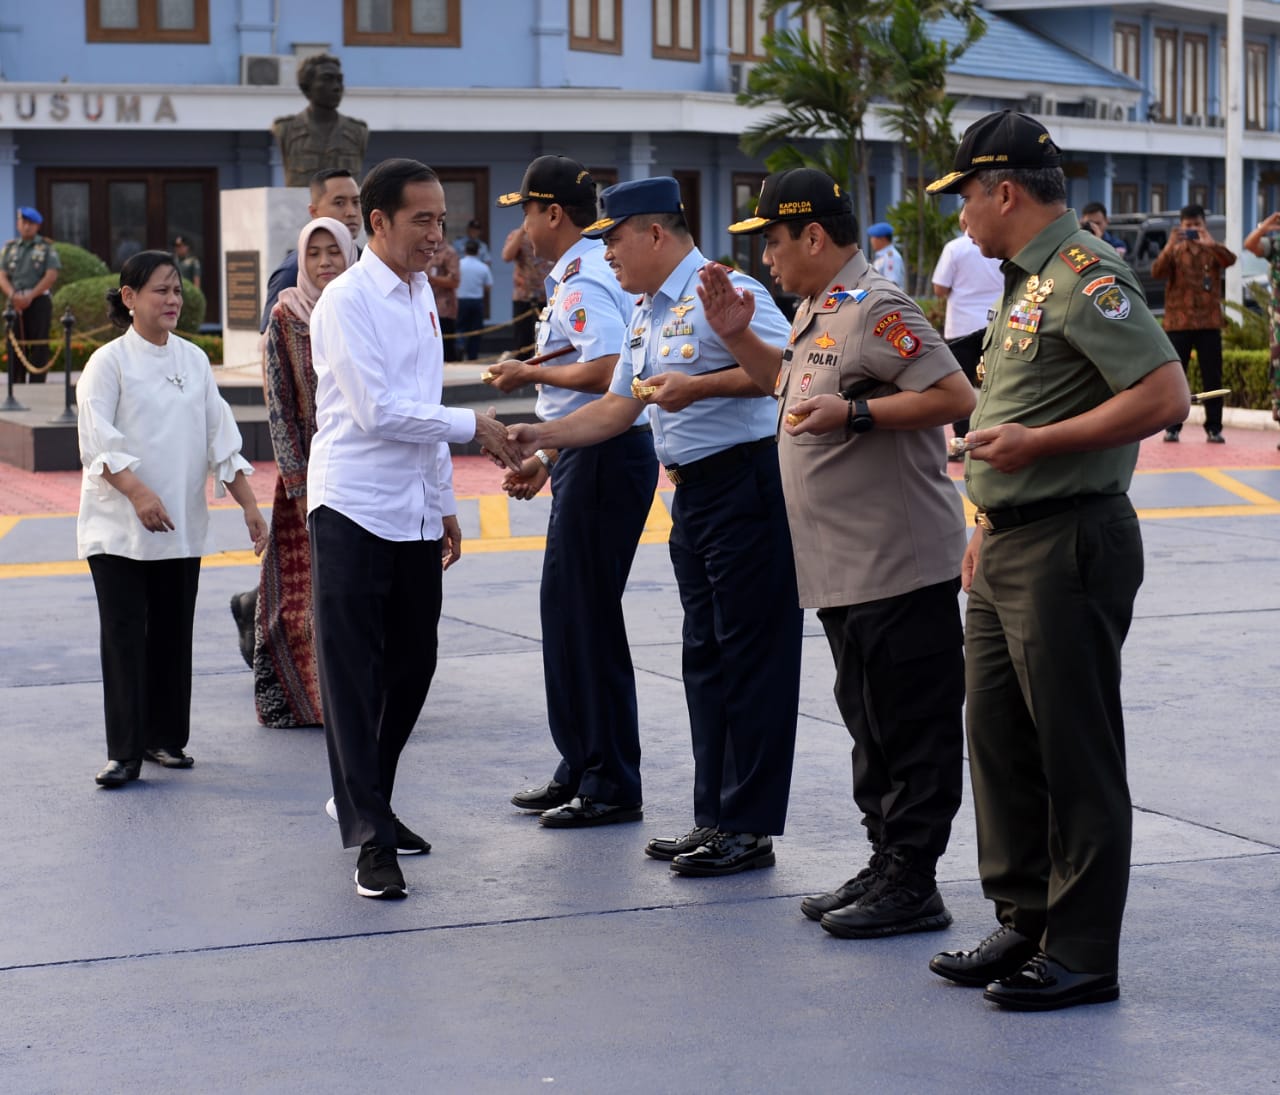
(98, 107)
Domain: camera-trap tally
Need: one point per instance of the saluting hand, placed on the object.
(727, 310)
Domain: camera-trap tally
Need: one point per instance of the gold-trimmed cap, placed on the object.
(554, 179)
(802, 193)
(1003, 140)
(626, 199)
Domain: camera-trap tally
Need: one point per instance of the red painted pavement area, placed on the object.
(23, 492)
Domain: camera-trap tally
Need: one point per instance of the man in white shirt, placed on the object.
(381, 510)
(971, 284)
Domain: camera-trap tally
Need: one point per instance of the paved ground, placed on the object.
(199, 931)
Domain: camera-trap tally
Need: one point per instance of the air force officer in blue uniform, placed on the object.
(714, 431)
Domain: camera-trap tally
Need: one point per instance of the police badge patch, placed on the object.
(1112, 303)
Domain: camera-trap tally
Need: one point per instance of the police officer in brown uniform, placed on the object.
(1075, 371)
(865, 387)
(29, 267)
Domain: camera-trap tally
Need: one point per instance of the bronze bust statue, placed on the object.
(320, 137)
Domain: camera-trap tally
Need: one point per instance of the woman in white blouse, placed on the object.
(152, 428)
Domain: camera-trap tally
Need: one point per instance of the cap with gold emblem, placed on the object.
(626, 199)
(554, 179)
(803, 193)
(1001, 141)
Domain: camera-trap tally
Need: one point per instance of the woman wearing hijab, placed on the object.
(285, 687)
(152, 429)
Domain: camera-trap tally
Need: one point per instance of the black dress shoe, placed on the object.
(726, 853)
(1214, 437)
(243, 607)
(1003, 952)
(579, 813)
(170, 758)
(408, 842)
(1044, 985)
(547, 797)
(1171, 435)
(816, 906)
(118, 772)
(668, 847)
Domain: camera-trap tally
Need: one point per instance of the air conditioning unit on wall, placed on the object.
(739, 73)
(267, 69)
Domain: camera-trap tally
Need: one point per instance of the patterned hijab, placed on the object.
(302, 299)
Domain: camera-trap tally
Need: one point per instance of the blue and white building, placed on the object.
(123, 119)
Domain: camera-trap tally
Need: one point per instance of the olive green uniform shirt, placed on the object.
(26, 261)
(1072, 330)
(872, 515)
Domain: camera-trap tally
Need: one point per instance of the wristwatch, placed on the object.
(544, 458)
(860, 420)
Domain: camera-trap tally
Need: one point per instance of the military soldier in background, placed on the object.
(29, 267)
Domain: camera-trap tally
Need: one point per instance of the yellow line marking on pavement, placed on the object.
(659, 519)
(495, 517)
(1226, 482)
(7, 523)
(1271, 509)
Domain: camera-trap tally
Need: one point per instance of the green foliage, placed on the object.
(921, 229)
(1248, 328)
(87, 299)
(78, 264)
(1246, 372)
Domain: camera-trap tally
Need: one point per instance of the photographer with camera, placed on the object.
(1093, 218)
(1192, 263)
(1264, 242)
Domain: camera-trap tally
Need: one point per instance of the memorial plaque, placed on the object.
(244, 291)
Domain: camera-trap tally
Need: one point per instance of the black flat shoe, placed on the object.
(547, 797)
(175, 758)
(668, 847)
(1045, 985)
(726, 853)
(118, 772)
(579, 813)
(243, 608)
(1002, 953)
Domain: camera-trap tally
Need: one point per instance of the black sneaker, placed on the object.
(668, 847)
(1171, 435)
(726, 853)
(904, 899)
(816, 906)
(378, 873)
(408, 842)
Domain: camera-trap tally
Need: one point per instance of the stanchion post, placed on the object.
(10, 318)
(68, 407)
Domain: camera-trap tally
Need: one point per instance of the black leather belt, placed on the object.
(717, 464)
(646, 428)
(996, 520)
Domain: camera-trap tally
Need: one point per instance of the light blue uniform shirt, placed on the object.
(668, 334)
(587, 309)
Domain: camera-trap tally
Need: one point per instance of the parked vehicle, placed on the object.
(1144, 236)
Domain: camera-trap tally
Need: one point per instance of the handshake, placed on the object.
(506, 446)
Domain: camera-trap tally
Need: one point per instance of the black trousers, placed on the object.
(146, 611)
(452, 351)
(900, 689)
(601, 498)
(1047, 615)
(1207, 344)
(34, 323)
(731, 550)
(524, 316)
(470, 318)
(377, 611)
(967, 350)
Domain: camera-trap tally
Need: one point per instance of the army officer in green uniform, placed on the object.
(1075, 372)
(29, 266)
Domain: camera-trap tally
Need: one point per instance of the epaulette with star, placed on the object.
(1078, 258)
(571, 269)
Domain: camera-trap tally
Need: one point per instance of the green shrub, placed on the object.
(87, 299)
(1246, 372)
(78, 264)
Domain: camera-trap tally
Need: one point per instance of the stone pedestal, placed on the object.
(260, 227)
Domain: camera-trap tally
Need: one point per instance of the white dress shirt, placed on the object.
(975, 282)
(156, 411)
(380, 456)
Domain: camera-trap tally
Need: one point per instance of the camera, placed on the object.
(1190, 234)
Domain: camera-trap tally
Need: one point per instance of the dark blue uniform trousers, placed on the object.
(601, 496)
(731, 550)
(377, 611)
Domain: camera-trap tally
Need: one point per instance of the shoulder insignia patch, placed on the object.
(887, 322)
(1113, 303)
(571, 269)
(902, 340)
(578, 321)
(1098, 283)
(1078, 258)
